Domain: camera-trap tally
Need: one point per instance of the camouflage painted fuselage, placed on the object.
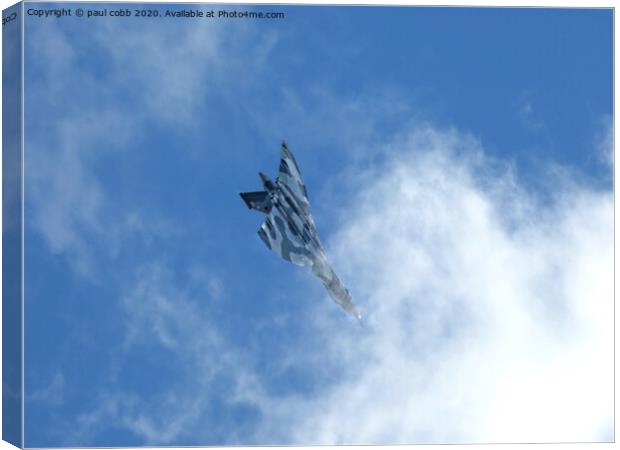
(289, 228)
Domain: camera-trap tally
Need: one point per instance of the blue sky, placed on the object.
(458, 162)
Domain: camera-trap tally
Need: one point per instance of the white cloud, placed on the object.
(488, 311)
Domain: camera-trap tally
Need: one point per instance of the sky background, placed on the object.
(459, 167)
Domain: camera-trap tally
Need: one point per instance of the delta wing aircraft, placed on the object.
(289, 228)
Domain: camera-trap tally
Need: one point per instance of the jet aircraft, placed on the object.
(289, 228)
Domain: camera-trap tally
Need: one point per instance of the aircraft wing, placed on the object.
(277, 236)
(289, 178)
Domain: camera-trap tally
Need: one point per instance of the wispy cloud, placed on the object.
(342, 123)
(164, 316)
(152, 77)
(526, 112)
(604, 141)
(50, 395)
(65, 201)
